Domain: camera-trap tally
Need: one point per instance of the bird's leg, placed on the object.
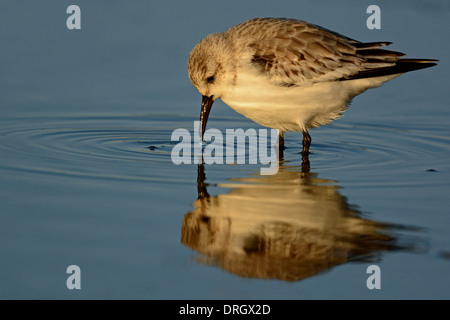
(306, 142)
(305, 163)
(305, 151)
(280, 139)
(280, 145)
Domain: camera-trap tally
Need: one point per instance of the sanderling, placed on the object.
(288, 74)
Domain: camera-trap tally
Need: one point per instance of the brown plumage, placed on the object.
(292, 52)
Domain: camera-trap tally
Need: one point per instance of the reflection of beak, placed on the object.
(204, 113)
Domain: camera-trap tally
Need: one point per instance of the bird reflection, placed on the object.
(288, 226)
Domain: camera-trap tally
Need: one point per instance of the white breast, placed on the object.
(293, 108)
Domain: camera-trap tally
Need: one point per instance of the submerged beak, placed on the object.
(204, 113)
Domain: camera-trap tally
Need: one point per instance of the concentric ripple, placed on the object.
(138, 148)
(117, 147)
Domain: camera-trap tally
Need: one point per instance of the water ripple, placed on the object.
(367, 150)
(138, 148)
(115, 147)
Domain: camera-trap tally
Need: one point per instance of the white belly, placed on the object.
(294, 108)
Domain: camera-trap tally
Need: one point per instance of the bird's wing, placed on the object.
(292, 52)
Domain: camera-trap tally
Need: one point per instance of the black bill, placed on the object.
(204, 113)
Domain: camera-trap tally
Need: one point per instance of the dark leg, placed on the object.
(306, 142)
(305, 151)
(305, 163)
(280, 145)
(281, 139)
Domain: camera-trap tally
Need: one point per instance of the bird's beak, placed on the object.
(207, 102)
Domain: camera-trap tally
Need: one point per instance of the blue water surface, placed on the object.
(86, 176)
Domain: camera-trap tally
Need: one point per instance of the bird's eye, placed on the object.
(210, 79)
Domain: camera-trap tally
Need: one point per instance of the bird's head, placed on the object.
(210, 68)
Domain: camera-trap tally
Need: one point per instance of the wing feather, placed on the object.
(292, 52)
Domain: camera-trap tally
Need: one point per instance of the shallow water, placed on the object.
(86, 176)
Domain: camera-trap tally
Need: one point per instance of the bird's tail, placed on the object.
(381, 62)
